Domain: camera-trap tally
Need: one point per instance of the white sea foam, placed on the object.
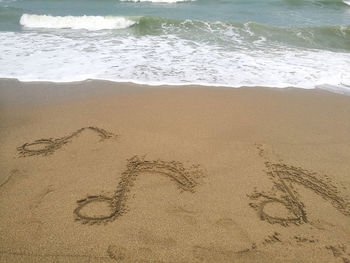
(346, 2)
(76, 22)
(166, 60)
(158, 1)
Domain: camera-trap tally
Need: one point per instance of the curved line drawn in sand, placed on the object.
(299, 239)
(283, 176)
(14, 173)
(50, 145)
(116, 253)
(135, 166)
(275, 237)
(340, 251)
(6, 181)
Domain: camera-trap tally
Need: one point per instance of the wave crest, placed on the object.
(76, 22)
(248, 34)
(158, 1)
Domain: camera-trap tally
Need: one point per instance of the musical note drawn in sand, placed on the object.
(50, 145)
(283, 177)
(182, 177)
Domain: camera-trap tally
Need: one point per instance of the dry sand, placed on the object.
(103, 172)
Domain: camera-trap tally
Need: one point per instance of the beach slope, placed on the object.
(97, 171)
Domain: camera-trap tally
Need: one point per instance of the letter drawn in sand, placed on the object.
(50, 145)
(181, 176)
(283, 177)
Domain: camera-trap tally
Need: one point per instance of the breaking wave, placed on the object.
(221, 33)
(158, 1)
(76, 22)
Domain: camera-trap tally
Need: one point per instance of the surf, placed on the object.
(158, 1)
(76, 22)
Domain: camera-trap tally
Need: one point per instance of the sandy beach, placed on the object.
(98, 171)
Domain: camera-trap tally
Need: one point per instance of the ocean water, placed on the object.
(274, 43)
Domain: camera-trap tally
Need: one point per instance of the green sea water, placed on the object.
(268, 12)
(301, 43)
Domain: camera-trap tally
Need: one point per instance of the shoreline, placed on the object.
(46, 91)
(121, 172)
(110, 84)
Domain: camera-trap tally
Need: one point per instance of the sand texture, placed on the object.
(105, 172)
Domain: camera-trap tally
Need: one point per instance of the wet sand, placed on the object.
(104, 172)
